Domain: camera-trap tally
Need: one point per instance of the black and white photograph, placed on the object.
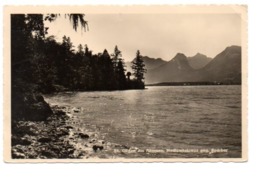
(126, 83)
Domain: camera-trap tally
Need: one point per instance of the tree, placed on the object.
(88, 53)
(105, 75)
(43, 56)
(138, 68)
(76, 19)
(25, 30)
(119, 69)
(115, 57)
(67, 44)
(128, 75)
(121, 78)
(80, 50)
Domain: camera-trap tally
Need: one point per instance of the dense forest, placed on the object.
(40, 64)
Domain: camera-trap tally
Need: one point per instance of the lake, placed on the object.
(164, 117)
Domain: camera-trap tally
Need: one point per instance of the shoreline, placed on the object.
(193, 84)
(59, 137)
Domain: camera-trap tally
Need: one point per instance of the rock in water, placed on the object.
(97, 147)
(82, 135)
(76, 110)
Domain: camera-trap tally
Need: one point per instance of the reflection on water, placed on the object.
(164, 117)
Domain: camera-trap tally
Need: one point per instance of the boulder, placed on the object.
(62, 132)
(49, 154)
(44, 139)
(21, 129)
(97, 147)
(69, 127)
(76, 110)
(84, 136)
(29, 106)
(60, 113)
(22, 141)
(18, 155)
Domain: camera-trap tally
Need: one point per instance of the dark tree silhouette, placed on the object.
(128, 75)
(119, 69)
(115, 57)
(47, 65)
(80, 50)
(76, 19)
(32, 64)
(121, 75)
(138, 67)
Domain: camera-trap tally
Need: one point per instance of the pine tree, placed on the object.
(88, 53)
(119, 69)
(121, 75)
(138, 68)
(106, 72)
(115, 57)
(80, 50)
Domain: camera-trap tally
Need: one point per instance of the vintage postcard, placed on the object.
(125, 83)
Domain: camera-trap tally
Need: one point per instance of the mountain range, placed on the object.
(150, 63)
(224, 67)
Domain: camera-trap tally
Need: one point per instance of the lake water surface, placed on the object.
(164, 117)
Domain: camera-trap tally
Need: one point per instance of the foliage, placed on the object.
(49, 66)
(138, 67)
(42, 65)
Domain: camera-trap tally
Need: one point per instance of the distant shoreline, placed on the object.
(190, 83)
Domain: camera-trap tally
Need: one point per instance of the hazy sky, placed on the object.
(155, 35)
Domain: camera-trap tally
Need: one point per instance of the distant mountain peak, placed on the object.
(150, 63)
(199, 55)
(233, 47)
(179, 56)
(159, 59)
(199, 60)
(154, 59)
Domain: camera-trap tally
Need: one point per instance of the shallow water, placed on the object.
(159, 118)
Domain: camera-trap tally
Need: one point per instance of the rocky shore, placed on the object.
(60, 136)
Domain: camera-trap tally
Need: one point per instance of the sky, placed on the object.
(155, 35)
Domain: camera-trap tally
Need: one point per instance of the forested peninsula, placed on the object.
(40, 65)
